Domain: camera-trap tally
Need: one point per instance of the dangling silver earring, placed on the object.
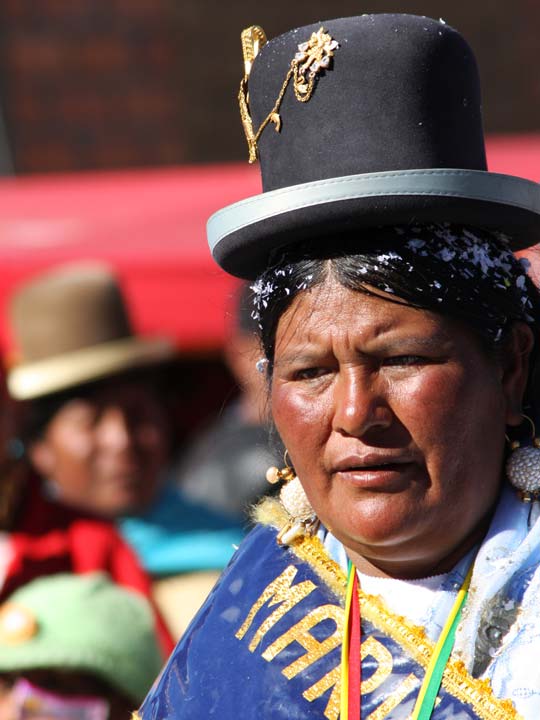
(523, 471)
(302, 519)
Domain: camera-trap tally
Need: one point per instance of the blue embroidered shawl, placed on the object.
(267, 642)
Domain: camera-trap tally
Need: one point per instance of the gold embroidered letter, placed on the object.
(373, 647)
(332, 680)
(302, 635)
(315, 650)
(281, 590)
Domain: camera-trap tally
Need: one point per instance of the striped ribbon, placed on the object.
(351, 665)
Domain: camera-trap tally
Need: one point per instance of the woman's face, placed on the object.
(394, 419)
(105, 453)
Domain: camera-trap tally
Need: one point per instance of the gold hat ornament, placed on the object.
(313, 57)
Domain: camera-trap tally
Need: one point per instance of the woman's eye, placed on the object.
(309, 373)
(405, 360)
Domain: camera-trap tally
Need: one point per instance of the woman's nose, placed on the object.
(359, 405)
(115, 431)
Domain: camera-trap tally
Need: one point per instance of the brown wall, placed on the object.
(121, 83)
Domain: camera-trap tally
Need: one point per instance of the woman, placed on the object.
(97, 437)
(397, 575)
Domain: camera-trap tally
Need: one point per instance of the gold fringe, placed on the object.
(269, 511)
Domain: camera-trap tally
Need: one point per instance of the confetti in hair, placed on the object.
(465, 272)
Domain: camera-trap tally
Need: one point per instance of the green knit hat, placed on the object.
(81, 622)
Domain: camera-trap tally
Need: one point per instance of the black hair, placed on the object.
(37, 413)
(245, 322)
(474, 279)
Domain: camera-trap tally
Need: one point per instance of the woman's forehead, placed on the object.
(330, 309)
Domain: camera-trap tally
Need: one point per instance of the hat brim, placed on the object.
(28, 381)
(241, 236)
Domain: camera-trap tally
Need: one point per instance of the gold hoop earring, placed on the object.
(275, 475)
(301, 518)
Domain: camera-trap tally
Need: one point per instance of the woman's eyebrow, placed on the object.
(298, 358)
(411, 344)
(431, 343)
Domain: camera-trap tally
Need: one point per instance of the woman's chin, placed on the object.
(384, 520)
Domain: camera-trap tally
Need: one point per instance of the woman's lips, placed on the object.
(376, 474)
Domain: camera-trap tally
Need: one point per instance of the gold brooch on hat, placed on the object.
(17, 624)
(313, 57)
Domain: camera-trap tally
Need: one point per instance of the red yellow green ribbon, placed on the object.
(351, 655)
(351, 666)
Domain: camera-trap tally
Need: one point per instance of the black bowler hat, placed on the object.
(366, 121)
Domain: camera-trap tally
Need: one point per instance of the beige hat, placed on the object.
(71, 327)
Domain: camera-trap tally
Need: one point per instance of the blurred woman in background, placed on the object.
(96, 426)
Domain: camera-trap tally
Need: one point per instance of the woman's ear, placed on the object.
(515, 366)
(41, 457)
